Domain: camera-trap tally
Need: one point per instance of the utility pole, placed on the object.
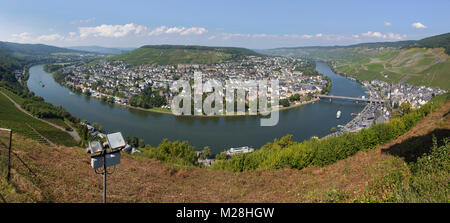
(104, 177)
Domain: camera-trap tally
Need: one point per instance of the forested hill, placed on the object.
(439, 41)
(176, 54)
(19, 50)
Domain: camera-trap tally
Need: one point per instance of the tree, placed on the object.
(206, 153)
(405, 108)
(134, 141)
(141, 143)
(221, 156)
(284, 102)
(97, 127)
(295, 97)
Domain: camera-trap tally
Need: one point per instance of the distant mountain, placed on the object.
(176, 54)
(25, 53)
(32, 49)
(101, 50)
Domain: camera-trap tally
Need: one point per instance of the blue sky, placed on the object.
(252, 24)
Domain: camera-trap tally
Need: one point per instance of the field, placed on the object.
(19, 122)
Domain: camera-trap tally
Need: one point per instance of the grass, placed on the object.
(12, 118)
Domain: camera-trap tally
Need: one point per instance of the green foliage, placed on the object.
(285, 102)
(175, 54)
(308, 68)
(19, 122)
(285, 153)
(424, 180)
(38, 107)
(180, 153)
(206, 153)
(221, 156)
(148, 99)
(438, 41)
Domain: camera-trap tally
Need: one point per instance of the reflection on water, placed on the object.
(220, 133)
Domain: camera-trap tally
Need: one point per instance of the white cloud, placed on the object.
(157, 31)
(387, 24)
(388, 35)
(111, 30)
(372, 34)
(177, 30)
(194, 30)
(26, 37)
(418, 25)
(396, 36)
(20, 37)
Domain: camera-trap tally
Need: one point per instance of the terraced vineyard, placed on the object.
(12, 118)
(417, 66)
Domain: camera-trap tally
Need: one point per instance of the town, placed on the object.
(394, 96)
(117, 82)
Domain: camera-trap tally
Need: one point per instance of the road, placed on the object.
(74, 134)
(350, 98)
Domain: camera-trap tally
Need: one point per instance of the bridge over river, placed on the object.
(351, 98)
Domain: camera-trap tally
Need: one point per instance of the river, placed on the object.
(220, 133)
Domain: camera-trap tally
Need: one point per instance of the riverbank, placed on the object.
(169, 112)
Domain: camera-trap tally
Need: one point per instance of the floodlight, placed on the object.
(115, 140)
(112, 159)
(95, 147)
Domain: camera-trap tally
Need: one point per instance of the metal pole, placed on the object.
(104, 177)
(9, 156)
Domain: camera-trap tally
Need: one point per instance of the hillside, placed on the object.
(21, 122)
(176, 54)
(408, 169)
(422, 62)
(24, 52)
(438, 41)
(417, 66)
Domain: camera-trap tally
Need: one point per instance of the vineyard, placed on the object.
(12, 118)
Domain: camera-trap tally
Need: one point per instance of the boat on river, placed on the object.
(338, 114)
(243, 149)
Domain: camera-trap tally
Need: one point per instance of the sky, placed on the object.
(244, 23)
